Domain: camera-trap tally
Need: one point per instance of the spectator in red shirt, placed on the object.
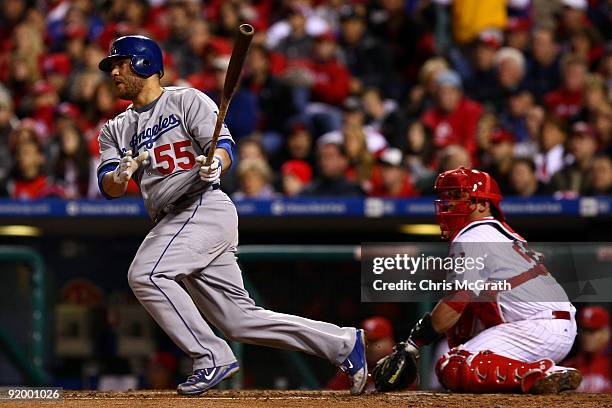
(296, 174)
(392, 180)
(455, 118)
(566, 101)
(44, 101)
(28, 180)
(57, 68)
(593, 357)
(331, 79)
(321, 85)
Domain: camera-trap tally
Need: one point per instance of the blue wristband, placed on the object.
(228, 146)
(101, 173)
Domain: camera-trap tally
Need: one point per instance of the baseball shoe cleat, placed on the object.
(553, 382)
(355, 365)
(206, 378)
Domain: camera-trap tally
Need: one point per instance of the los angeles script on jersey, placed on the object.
(148, 136)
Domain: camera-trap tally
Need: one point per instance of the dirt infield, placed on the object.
(315, 399)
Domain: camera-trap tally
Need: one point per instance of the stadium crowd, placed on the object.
(337, 99)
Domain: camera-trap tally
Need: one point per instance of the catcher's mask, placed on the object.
(459, 191)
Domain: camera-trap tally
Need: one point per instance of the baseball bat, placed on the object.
(232, 77)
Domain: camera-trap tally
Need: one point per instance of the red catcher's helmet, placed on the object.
(459, 191)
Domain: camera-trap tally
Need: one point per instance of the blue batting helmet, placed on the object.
(144, 53)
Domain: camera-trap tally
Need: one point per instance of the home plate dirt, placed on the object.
(315, 399)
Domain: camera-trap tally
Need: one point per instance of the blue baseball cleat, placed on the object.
(206, 378)
(355, 365)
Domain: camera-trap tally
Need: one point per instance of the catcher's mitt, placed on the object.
(398, 370)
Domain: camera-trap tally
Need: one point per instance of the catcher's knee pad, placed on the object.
(462, 371)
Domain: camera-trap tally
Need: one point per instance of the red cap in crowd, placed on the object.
(299, 169)
(491, 37)
(57, 64)
(583, 129)
(499, 135)
(298, 127)
(326, 36)
(42, 87)
(75, 31)
(220, 46)
(593, 317)
(377, 327)
(68, 109)
(516, 24)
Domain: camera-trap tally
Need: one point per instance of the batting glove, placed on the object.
(128, 165)
(209, 174)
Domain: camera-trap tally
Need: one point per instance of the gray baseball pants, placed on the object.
(196, 246)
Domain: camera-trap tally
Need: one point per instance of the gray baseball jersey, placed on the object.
(174, 129)
(195, 244)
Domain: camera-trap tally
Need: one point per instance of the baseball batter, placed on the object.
(505, 340)
(186, 266)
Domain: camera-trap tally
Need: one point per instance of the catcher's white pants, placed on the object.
(527, 340)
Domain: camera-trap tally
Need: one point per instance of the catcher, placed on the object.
(501, 341)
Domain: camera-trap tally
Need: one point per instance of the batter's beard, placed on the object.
(132, 86)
